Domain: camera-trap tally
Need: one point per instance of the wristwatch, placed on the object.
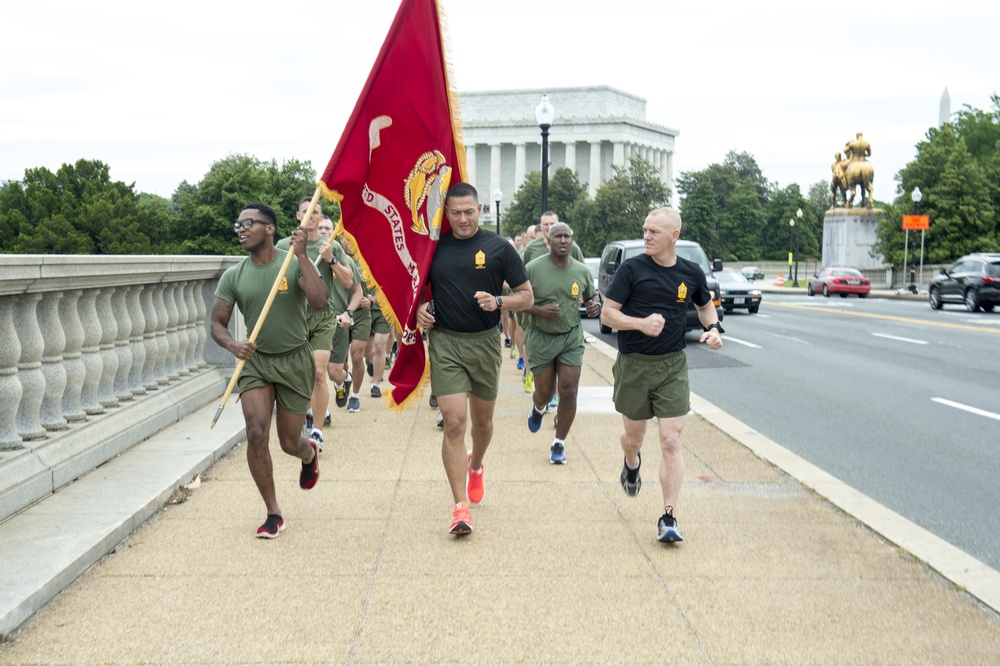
(334, 260)
(350, 313)
(499, 302)
(716, 325)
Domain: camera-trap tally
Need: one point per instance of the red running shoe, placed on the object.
(310, 472)
(475, 487)
(462, 522)
(271, 527)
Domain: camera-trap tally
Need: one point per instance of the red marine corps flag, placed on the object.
(401, 150)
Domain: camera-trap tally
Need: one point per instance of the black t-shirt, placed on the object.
(461, 268)
(643, 287)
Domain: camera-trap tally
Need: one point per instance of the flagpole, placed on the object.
(266, 308)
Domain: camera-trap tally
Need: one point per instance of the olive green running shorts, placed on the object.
(362, 327)
(292, 374)
(465, 362)
(648, 386)
(379, 323)
(341, 343)
(546, 348)
(321, 325)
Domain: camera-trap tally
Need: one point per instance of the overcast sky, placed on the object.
(159, 91)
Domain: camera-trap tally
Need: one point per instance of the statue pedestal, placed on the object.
(848, 237)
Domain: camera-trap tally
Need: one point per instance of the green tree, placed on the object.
(565, 192)
(77, 210)
(700, 215)
(201, 220)
(621, 205)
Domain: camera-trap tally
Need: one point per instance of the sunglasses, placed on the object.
(247, 223)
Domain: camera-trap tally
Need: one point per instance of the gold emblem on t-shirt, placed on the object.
(480, 259)
(575, 291)
(283, 285)
(682, 292)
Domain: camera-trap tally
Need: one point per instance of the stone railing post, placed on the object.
(10, 385)
(119, 307)
(149, 371)
(136, 342)
(90, 352)
(109, 330)
(173, 341)
(76, 373)
(183, 320)
(162, 346)
(53, 370)
(193, 350)
(29, 367)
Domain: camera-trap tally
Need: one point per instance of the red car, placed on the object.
(839, 280)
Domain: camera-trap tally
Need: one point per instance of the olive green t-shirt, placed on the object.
(538, 248)
(563, 286)
(247, 285)
(325, 270)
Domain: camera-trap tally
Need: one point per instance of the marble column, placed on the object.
(618, 154)
(494, 166)
(136, 341)
(29, 367)
(119, 306)
(595, 167)
(628, 151)
(109, 359)
(53, 370)
(470, 163)
(571, 156)
(76, 372)
(10, 385)
(520, 163)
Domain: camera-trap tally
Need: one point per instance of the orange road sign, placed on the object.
(916, 222)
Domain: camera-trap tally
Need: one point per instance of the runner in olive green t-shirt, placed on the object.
(554, 337)
(329, 260)
(279, 364)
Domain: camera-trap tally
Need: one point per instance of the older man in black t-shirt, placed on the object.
(466, 277)
(647, 304)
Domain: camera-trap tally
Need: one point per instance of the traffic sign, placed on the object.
(916, 222)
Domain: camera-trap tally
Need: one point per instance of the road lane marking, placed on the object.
(730, 338)
(967, 408)
(871, 315)
(896, 337)
(793, 339)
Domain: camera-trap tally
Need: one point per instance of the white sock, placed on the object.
(561, 442)
(354, 395)
(538, 411)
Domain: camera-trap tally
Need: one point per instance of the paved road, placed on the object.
(895, 399)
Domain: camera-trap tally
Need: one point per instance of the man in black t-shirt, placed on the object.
(466, 278)
(646, 303)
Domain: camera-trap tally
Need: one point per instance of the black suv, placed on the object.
(973, 280)
(616, 252)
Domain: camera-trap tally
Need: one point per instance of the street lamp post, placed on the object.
(798, 238)
(916, 195)
(545, 114)
(498, 197)
(791, 238)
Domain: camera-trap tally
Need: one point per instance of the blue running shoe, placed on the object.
(667, 531)
(554, 402)
(557, 454)
(520, 363)
(534, 420)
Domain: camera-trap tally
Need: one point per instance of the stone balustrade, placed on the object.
(96, 354)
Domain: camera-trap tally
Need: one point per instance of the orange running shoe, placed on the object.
(462, 522)
(475, 487)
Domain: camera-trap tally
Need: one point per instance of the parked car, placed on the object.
(616, 252)
(735, 291)
(973, 280)
(839, 280)
(752, 273)
(593, 263)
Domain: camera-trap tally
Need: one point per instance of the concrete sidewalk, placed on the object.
(563, 567)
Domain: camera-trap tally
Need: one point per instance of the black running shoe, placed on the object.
(631, 487)
(370, 367)
(376, 392)
(433, 402)
(666, 529)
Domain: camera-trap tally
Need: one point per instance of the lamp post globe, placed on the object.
(498, 197)
(545, 114)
